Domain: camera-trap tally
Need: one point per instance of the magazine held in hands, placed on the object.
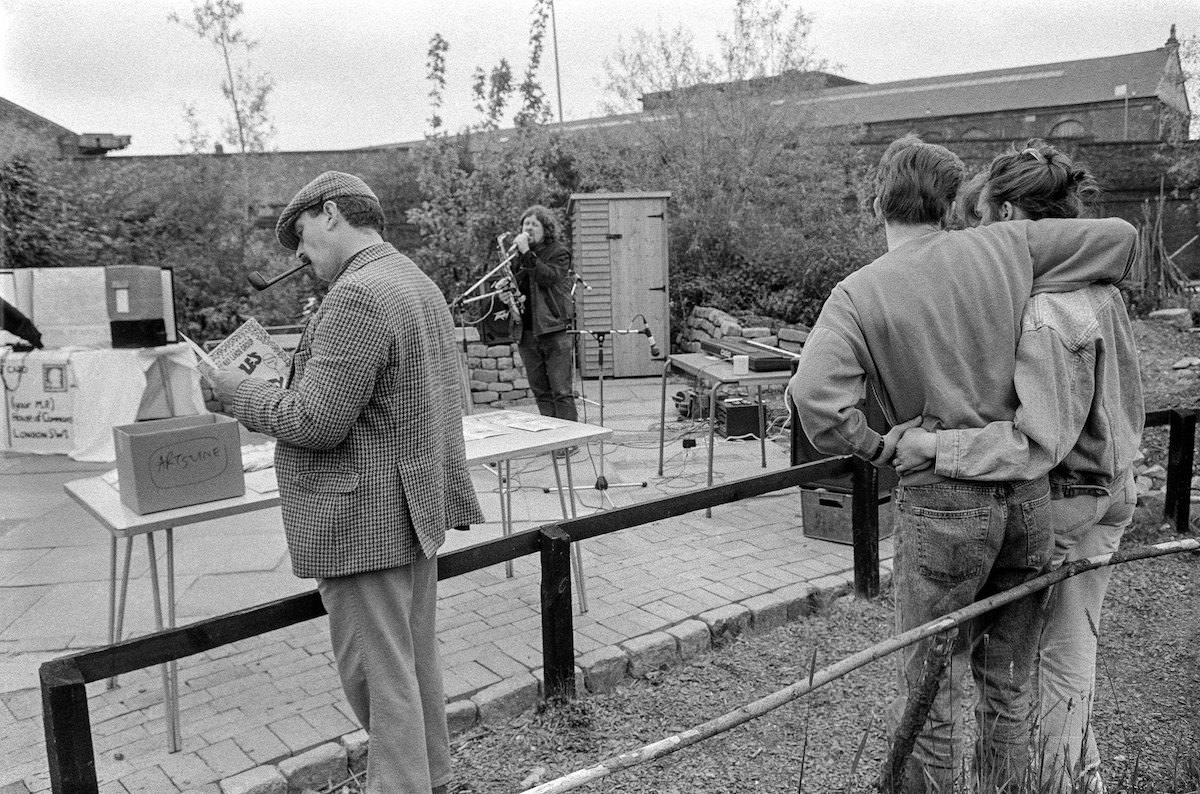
(251, 349)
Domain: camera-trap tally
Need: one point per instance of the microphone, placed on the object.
(654, 351)
(259, 283)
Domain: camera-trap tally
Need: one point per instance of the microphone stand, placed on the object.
(602, 484)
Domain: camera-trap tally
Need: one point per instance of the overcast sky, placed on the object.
(352, 72)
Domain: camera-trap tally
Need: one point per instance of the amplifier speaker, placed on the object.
(737, 416)
(496, 332)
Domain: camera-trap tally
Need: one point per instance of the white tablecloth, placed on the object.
(106, 388)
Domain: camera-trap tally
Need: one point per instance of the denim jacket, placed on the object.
(1081, 412)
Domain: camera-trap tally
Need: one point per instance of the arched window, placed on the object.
(1068, 129)
(932, 135)
(975, 134)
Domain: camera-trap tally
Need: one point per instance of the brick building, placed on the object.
(1135, 97)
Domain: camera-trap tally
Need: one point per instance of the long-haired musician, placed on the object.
(543, 274)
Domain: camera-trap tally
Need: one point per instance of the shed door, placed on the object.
(638, 252)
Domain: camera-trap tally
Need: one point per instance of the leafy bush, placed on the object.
(188, 216)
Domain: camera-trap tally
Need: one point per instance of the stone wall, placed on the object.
(706, 323)
(496, 374)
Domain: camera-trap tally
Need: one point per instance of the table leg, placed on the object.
(112, 598)
(662, 416)
(712, 432)
(576, 547)
(172, 738)
(173, 665)
(762, 426)
(505, 468)
(118, 629)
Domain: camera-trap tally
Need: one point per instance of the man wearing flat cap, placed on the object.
(371, 469)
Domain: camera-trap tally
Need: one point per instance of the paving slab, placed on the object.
(252, 705)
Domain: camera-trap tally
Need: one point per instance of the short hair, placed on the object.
(546, 218)
(968, 199)
(361, 212)
(1043, 181)
(916, 181)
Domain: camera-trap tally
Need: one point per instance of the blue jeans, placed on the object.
(547, 360)
(957, 542)
(1085, 525)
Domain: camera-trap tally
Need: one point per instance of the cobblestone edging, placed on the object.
(598, 671)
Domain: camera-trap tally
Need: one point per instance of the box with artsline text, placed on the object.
(177, 462)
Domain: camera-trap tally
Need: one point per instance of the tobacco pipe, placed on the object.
(259, 283)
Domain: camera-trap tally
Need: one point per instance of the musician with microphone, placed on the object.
(544, 276)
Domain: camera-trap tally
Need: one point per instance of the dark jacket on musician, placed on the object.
(544, 278)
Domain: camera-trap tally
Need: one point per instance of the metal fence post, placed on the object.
(1177, 504)
(864, 519)
(69, 752)
(558, 628)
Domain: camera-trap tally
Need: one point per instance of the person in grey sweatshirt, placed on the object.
(930, 330)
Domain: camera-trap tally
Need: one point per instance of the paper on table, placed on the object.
(262, 481)
(477, 427)
(533, 423)
(258, 456)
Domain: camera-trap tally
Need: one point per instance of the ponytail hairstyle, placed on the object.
(1041, 181)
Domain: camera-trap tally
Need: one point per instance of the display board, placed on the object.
(38, 402)
(72, 307)
(67, 402)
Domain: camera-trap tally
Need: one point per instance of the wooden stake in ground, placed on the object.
(916, 710)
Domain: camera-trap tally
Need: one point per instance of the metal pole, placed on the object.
(557, 81)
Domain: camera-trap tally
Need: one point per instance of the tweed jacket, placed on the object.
(370, 455)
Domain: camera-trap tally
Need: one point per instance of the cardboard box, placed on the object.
(827, 515)
(176, 462)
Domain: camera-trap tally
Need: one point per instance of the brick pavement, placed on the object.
(254, 710)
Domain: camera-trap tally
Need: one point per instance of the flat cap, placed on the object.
(329, 185)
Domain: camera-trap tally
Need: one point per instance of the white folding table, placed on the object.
(493, 437)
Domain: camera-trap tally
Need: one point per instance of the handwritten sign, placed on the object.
(38, 402)
(187, 462)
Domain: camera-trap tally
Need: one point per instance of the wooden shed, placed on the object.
(619, 248)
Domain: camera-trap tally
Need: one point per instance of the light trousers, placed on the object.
(1086, 525)
(383, 625)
